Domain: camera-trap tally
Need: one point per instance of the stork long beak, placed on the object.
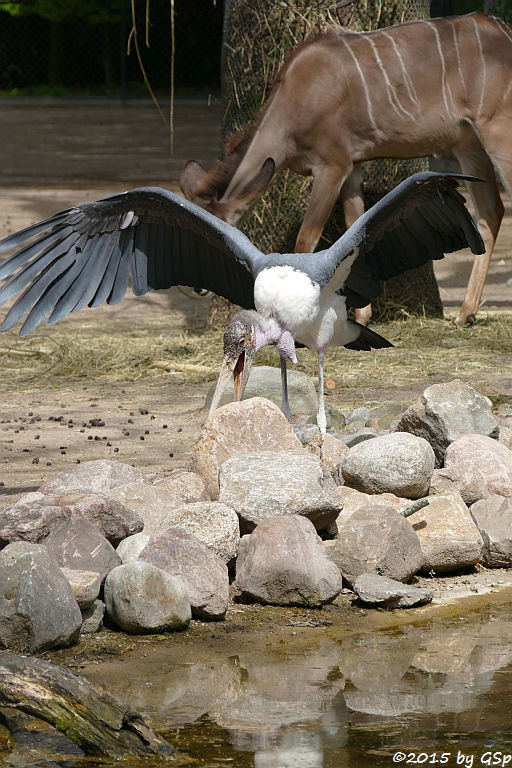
(240, 367)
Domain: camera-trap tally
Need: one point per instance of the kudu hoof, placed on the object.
(462, 321)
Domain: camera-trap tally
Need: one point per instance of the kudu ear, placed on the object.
(260, 182)
(191, 177)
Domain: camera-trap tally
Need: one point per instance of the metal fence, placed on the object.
(59, 54)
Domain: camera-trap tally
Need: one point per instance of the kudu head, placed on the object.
(209, 189)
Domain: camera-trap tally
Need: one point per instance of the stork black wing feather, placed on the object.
(122, 277)
(107, 280)
(88, 254)
(423, 218)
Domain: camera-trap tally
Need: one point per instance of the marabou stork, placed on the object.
(86, 255)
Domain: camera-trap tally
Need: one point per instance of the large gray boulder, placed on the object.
(493, 517)
(445, 412)
(34, 520)
(237, 428)
(376, 539)
(448, 535)
(140, 598)
(399, 463)
(285, 563)
(203, 573)
(78, 545)
(380, 591)
(98, 476)
(37, 608)
(270, 483)
(265, 381)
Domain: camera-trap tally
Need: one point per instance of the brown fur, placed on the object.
(342, 98)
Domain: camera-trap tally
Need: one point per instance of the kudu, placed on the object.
(412, 90)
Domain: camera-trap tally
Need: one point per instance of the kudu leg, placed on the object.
(489, 213)
(325, 191)
(353, 208)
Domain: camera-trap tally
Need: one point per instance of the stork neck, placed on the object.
(271, 331)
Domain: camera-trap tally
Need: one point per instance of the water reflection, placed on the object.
(352, 701)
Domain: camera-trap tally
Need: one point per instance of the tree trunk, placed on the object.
(257, 36)
(88, 717)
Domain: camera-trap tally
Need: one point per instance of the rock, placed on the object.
(85, 586)
(306, 432)
(269, 483)
(34, 520)
(398, 463)
(92, 618)
(386, 415)
(506, 436)
(489, 461)
(359, 416)
(37, 608)
(352, 500)
(265, 381)
(448, 535)
(329, 450)
(358, 436)
(376, 540)
(379, 590)
(203, 573)
(140, 598)
(213, 523)
(152, 503)
(464, 480)
(335, 418)
(131, 547)
(493, 516)
(186, 487)
(113, 519)
(284, 563)
(77, 544)
(447, 411)
(222, 437)
(98, 476)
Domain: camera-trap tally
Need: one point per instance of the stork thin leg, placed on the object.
(285, 404)
(321, 418)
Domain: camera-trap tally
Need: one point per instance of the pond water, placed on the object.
(439, 694)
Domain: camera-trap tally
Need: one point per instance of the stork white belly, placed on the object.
(291, 297)
(286, 294)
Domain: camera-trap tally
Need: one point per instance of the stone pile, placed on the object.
(269, 512)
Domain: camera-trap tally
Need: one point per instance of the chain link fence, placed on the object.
(73, 53)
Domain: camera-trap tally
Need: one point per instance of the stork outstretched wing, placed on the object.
(423, 218)
(86, 255)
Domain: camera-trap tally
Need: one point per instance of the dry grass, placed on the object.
(425, 350)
